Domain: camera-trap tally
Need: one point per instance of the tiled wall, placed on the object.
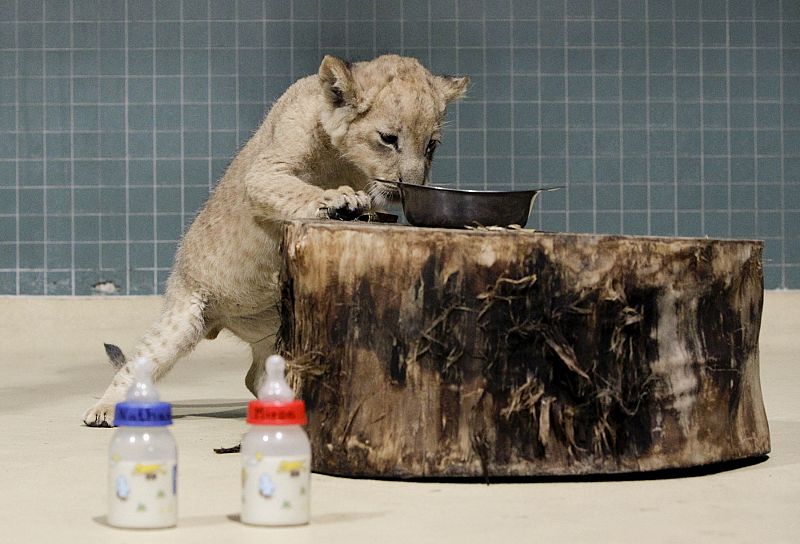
(661, 117)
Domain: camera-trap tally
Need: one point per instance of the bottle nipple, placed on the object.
(274, 388)
(142, 390)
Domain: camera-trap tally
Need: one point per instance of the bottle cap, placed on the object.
(276, 404)
(142, 407)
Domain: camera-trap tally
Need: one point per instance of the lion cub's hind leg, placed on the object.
(255, 375)
(178, 330)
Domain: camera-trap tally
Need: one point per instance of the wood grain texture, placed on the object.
(435, 353)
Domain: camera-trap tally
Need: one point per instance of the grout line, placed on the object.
(155, 155)
(44, 148)
(72, 151)
(236, 76)
(728, 112)
(457, 129)
(755, 124)
(127, 166)
(566, 122)
(291, 43)
(182, 121)
(674, 125)
(513, 109)
(98, 78)
(621, 123)
(648, 125)
(483, 78)
(702, 125)
(782, 147)
(594, 128)
(403, 28)
(209, 83)
(16, 151)
(430, 39)
(538, 100)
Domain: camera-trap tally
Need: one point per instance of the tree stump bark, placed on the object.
(449, 353)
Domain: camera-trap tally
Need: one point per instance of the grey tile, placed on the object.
(8, 231)
(112, 257)
(634, 170)
(112, 172)
(112, 144)
(552, 59)
(31, 173)
(31, 255)
(769, 142)
(768, 87)
(634, 33)
(662, 169)
(580, 143)
(716, 224)
(59, 228)
(769, 169)
(581, 222)
(767, 33)
(165, 253)
(689, 224)
(743, 169)
(608, 196)
(715, 170)
(634, 223)
(579, 33)
(59, 255)
(550, 34)
(579, 60)
(580, 170)
(59, 283)
(743, 196)
(662, 223)
(31, 283)
(742, 142)
(112, 227)
(31, 201)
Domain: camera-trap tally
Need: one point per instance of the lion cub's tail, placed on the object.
(115, 356)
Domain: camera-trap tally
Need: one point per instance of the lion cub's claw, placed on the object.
(100, 415)
(343, 204)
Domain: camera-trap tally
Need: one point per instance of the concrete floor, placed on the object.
(53, 478)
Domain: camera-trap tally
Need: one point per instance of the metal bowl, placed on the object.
(426, 206)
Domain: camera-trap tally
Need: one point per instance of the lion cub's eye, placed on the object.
(389, 139)
(431, 147)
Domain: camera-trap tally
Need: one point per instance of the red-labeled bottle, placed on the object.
(276, 455)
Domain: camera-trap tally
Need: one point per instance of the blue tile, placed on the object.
(634, 223)
(743, 197)
(742, 142)
(8, 233)
(767, 34)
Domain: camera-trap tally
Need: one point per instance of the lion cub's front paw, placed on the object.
(343, 203)
(100, 415)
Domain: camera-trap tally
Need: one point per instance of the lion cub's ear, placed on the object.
(338, 84)
(452, 87)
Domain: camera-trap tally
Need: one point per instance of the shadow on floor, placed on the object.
(665, 474)
(213, 408)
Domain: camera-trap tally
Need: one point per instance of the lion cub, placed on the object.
(317, 155)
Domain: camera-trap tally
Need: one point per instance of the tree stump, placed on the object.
(455, 353)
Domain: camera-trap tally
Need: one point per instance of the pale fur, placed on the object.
(317, 153)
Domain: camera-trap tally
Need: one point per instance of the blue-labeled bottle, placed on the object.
(143, 459)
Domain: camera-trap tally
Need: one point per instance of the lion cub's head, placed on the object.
(385, 116)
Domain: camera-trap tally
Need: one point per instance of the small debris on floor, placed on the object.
(234, 449)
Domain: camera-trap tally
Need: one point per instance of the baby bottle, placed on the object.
(142, 476)
(276, 455)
